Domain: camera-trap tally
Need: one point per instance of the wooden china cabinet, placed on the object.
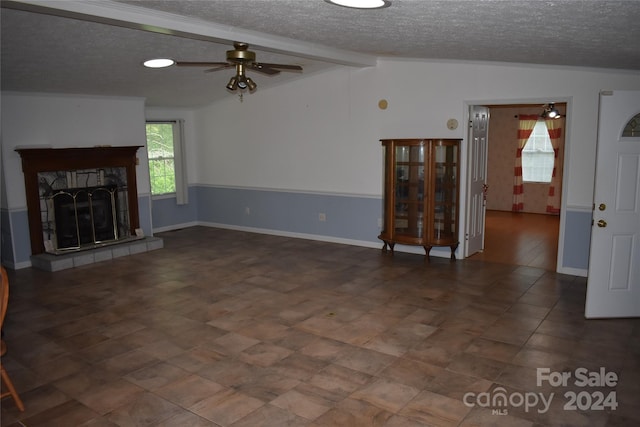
(421, 193)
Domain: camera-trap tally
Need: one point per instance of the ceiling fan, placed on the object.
(550, 111)
(242, 59)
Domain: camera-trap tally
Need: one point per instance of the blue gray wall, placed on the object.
(349, 219)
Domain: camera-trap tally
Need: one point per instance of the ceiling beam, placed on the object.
(139, 18)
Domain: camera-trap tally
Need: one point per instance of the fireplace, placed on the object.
(80, 198)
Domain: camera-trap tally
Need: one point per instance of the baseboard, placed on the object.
(419, 250)
(306, 236)
(17, 266)
(175, 227)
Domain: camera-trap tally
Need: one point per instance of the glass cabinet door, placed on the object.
(445, 204)
(409, 190)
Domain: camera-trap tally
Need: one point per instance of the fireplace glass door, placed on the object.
(85, 216)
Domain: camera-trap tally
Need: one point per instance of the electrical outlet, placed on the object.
(322, 217)
(247, 211)
(379, 222)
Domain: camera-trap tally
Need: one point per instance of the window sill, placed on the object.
(163, 196)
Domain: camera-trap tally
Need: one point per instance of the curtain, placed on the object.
(182, 190)
(554, 127)
(526, 123)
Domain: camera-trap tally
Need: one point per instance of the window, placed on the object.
(162, 168)
(538, 155)
(632, 129)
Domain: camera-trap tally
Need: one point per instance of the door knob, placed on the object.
(602, 223)
(602, 206)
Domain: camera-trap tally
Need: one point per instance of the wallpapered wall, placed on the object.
(503, 128)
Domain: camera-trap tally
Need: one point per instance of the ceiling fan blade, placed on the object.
(281, 66)
(221, 67)
(201, 64)
(262, 69)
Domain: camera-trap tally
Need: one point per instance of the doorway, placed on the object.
(527, 238)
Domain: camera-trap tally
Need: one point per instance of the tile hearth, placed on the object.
(51, 262)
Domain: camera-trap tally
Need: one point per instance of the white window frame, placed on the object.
(179, 159)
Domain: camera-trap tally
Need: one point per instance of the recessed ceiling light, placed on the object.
(361, 4)
(158, 63)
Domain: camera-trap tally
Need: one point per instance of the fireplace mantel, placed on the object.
(36, 160)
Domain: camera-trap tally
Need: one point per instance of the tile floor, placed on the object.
(226, 328)
(521, 239)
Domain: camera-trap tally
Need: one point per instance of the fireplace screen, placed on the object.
(85, 216)
(82, 209)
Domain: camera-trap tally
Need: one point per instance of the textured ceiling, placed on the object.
(96, 47)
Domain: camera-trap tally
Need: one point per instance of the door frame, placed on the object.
(466, 163)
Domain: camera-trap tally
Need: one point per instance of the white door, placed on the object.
(477, 172)
(613, 284)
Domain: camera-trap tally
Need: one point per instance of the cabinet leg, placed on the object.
(388, 245)
(427, 250)
(453, 251)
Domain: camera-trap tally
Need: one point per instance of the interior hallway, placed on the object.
(521, 239)
(226, 328)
